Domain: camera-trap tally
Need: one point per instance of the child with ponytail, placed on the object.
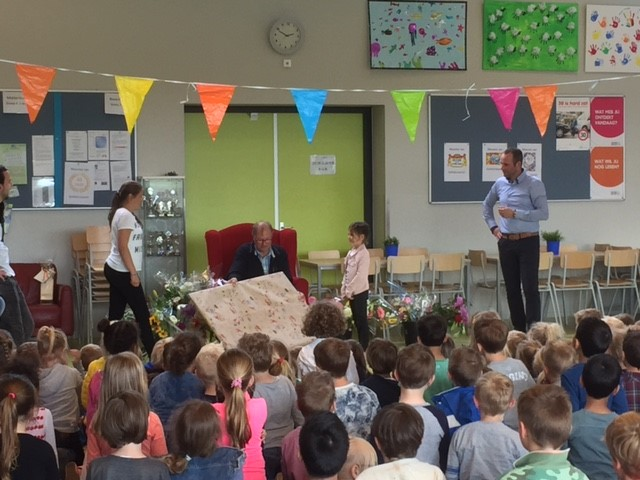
(22, 456)
(242, 418)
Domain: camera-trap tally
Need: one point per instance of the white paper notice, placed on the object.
(13, 102)
(532, 158)
(14, 157)
(76, 142)
(491, 152)
(112, 105)
(120, 145)
(42, 148)
(322, 164)
(120, 173)
(78, 184)
(100, 175)
(42, 193)
(456, 162)
(98, 141)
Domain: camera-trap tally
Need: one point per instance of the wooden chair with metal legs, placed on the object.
(79, 254)
(332, 289)
(97, 286)
(577, 276)
(450, 265)
(407, 265)
(545, 267)
(614, 260)
(478, 263)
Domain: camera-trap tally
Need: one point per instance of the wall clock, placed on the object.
(285, 36)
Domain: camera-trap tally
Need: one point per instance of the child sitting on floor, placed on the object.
(631, 373)
(356, 405)
(485, 450)
(544, 413)
(465, 368)
(415, 372)
(491, 337)
(382, 356)
(623, 440)
(432, 331)
(556, 357)
(587, 450)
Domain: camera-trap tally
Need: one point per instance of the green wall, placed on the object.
(231, 180)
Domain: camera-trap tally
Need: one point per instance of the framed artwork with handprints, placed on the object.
(418, 35)
(536, 36)
(612, 39)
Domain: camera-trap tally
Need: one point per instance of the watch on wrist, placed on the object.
(514, 213)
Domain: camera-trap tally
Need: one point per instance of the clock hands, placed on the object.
(285, 34)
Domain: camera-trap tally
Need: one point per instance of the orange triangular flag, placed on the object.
(132, 92)
(35, 82)
(215, 99)
(541, 100)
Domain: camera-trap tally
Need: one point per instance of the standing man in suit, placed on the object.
(259, 257)
(523, 203)
(16, 317)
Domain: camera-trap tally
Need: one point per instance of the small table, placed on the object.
(322, 265)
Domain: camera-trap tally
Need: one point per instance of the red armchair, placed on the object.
(59, 313)
(222, 246)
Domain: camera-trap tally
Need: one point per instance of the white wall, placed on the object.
(224, 41)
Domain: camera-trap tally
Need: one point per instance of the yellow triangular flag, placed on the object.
(409, 105)
(132, 92)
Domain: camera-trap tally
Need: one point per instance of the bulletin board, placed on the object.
(75, 155)
(566, 174)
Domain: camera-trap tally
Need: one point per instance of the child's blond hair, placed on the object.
(158, 352)
(206, 363)
(618, 332)
(514, 338)
(282, 365)
(543, 332)
(526, 353)
(623, 439)
(494, 393)
(52, 345)
(557, 357)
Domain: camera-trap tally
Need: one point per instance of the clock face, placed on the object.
(285, 37)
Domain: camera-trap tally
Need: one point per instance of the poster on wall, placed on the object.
(573, 129)
(612, 39)
(607, 148)
(532, 158)
(491, 152)
(418, 35)
(537, 36)
(456, 162)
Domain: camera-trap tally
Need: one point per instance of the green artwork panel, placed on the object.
(538, 36)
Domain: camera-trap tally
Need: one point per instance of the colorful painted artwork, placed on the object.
(418, 35)
(540, 36)
(612, 39)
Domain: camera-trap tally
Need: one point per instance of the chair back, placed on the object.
(376, 252)
(546, 262)
(324, 254)
(222, 246)
(477, 258)
(441, 264)
(446, 262)
(621, 258)
(79, 251)
(410, 251)
(577, 260)
(374, 270)
(405, 265)
(568, 247)
(601, 247)
(99, 245)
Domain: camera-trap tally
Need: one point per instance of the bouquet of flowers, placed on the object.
(171, 310)
(411, 306)
(455, 313)
(381, 313)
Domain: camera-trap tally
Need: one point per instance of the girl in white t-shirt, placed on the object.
(125, 260)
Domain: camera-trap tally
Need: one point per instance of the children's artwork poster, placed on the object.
(456, 162)
(539, 36)
(573, 129)
(418, 35)
(532, 158)
(491, 170)
(607, 148)
(612, 38)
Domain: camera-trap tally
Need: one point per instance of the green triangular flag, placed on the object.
(409, 105)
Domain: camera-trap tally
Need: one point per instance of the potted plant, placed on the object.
(553, 239)
(391, 246)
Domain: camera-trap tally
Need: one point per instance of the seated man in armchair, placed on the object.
(259, 257)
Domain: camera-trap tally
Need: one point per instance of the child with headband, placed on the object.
(242, 418)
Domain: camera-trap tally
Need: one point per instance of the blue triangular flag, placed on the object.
(309, 104)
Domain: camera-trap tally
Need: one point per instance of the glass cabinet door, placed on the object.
(164, 230)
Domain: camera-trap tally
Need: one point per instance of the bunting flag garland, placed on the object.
(409, 105)
(132, 93)
(35, 82)
(215, 99)
(541, 100)
(309, 104)
(505, 100)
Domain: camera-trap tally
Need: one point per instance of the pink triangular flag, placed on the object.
(506, 100)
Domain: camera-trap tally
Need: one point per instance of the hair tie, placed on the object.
(11, 395)
(236, 383)
(281, 360)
